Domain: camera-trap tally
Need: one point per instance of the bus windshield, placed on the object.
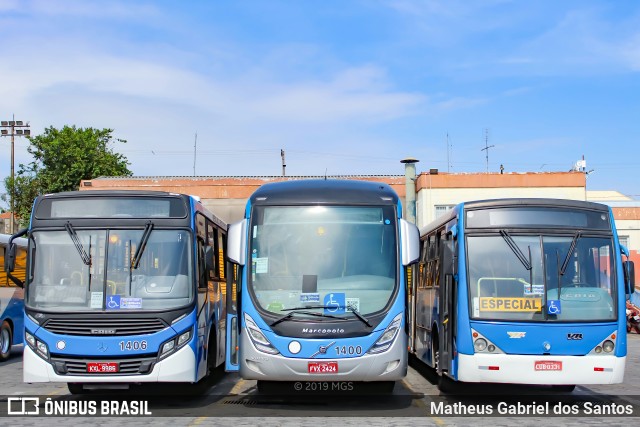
(96, 270)
(323, 256)
(541, 278)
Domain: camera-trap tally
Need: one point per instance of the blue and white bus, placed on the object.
(123, 287)
(321, 283)
(11, 298)
(528, 291)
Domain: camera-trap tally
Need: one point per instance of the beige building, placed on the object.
(437, 192)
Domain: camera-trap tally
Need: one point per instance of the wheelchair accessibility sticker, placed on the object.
(113, 302)
(554, 307)
(335, 303)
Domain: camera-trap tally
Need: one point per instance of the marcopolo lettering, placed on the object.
(510, 304)
(322, 331)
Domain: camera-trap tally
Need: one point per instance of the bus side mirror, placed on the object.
(10, 258)
(209, 264)
(629, 276)
(237, 242)
(410, 238)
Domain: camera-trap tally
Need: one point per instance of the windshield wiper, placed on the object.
(516, 250)
(571, 248)
(86, 258)
(358, 315)
(299, 310)
(143, 244)
(351, 307)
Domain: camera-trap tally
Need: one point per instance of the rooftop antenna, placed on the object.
(487, 146)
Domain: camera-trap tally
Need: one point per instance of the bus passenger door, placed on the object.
(231, 324)
(236, 255)
(447, 315)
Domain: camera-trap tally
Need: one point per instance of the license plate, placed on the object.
(548, 365)
(323, 367)
(102, 367)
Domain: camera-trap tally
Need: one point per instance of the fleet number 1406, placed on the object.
(132, 345)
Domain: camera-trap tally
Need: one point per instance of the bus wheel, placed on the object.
(435, 353)
(563, 388)
(382, 387)
(5, 341)
(75, 388)
(447, 385)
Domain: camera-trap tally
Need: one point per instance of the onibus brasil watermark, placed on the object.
(36, 406)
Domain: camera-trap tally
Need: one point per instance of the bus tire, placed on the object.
(75, 388)
(564, 388)
(213, 370)
(5, 341)
(435, 353)
(382, 387)
(447, 385)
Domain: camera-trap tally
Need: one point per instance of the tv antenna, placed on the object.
(486, 147)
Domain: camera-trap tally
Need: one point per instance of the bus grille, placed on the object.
(105, 327)
(78, 366)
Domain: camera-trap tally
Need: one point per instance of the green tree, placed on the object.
(61, 159)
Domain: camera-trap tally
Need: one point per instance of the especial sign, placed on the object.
(510, 304)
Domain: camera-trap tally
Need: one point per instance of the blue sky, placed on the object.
(343, 86)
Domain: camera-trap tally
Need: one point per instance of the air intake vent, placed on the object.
(105, 326)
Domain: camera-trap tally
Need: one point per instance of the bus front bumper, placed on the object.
(179, 367)
(390, 365)
(541, 370)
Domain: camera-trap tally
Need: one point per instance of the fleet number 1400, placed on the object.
(348, 350)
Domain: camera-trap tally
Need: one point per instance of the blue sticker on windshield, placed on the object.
(386, 221)
(554, 307)
(310, 297)
(334, 303)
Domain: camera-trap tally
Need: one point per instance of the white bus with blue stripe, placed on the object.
(321, 283)
(526, 291)
(11, 297)
(123, 287)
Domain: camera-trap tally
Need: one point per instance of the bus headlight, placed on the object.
(480, 344)
(388, 336)
(182, 339)
(257, 337)
(31, 340)
(42, 348)
(36, 345)
(174, 344)
(606, 346)
(168, 347)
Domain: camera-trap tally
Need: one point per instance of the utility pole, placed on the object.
(487, 146)
(22, 130)
(195, 144)
(448, 161)
(284, 165)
